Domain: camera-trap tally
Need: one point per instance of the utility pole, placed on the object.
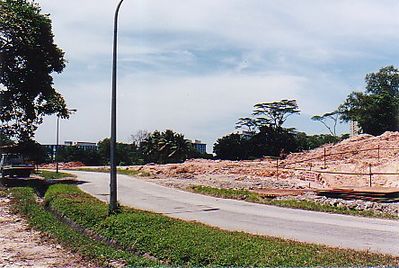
(113, 181)
(58, 138)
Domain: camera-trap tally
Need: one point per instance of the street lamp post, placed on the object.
(113, 186)
(58, 138)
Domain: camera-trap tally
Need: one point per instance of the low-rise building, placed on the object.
(199, 146)
(82, 145)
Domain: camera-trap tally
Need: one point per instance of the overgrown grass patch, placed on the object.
(242, 194)
(52, 175)
(24, 202)
(184, 243)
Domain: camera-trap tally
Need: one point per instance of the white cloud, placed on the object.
(196, 66)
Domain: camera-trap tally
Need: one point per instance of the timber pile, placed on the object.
(375, 194)
(272, 193)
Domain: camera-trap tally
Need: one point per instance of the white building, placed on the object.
(82, 145)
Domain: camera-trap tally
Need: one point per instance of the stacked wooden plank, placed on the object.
(271, 193)
(375, 194)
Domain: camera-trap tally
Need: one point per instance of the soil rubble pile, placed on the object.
(318, 168)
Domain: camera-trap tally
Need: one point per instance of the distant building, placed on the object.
(199, 146)
(354, 128)
(82, 145)
(51, 148)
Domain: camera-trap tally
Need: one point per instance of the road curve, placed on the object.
(376, 235)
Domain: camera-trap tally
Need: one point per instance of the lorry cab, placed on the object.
(14, 165)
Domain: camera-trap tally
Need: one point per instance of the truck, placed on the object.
(13, 165)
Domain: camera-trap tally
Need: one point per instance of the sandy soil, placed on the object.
(20, 246)
(354, 155)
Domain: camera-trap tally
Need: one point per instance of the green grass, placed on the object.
(24, 202)
(140, 173)
(180, 243)
(52, 175)
(242, 194)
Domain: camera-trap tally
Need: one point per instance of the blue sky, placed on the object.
(196, 66)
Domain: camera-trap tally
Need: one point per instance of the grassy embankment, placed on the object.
(24, 202)
(242, 194)
(177, 242)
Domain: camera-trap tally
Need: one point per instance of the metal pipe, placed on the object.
(113, 179)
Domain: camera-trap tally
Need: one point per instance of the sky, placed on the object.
(196, 66)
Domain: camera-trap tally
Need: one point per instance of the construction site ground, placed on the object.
(349, 165)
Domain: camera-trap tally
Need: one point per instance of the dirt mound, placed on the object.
(62, 165)
(318, 168)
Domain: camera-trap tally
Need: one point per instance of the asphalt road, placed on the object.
(343, 231)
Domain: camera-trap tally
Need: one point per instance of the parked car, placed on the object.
(14, 165)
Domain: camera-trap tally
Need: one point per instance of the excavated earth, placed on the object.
(298, 171)
(311, 170)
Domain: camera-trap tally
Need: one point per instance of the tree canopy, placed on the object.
(166, 147)
(274, 114)
(28, 57)
(376, 110)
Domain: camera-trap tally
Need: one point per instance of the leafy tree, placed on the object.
(28, 57)
(231, 147)
(5, 140)
(74, 153)
(267, 136)
(32, 151)
(166, 147)
(327, 118)
(274, 114)
(126, 154)
(305, 142)
(273, 142)
(377, 109)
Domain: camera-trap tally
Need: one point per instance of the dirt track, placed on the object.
(20, 246)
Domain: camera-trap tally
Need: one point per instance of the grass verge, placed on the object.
(24, 202)
(241, 194)
(52, 175)
(180, 243)
(123, 171)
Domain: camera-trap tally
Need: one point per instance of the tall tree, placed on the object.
(28, 57)
(274, 114)
(377, 109)
(329, 120)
